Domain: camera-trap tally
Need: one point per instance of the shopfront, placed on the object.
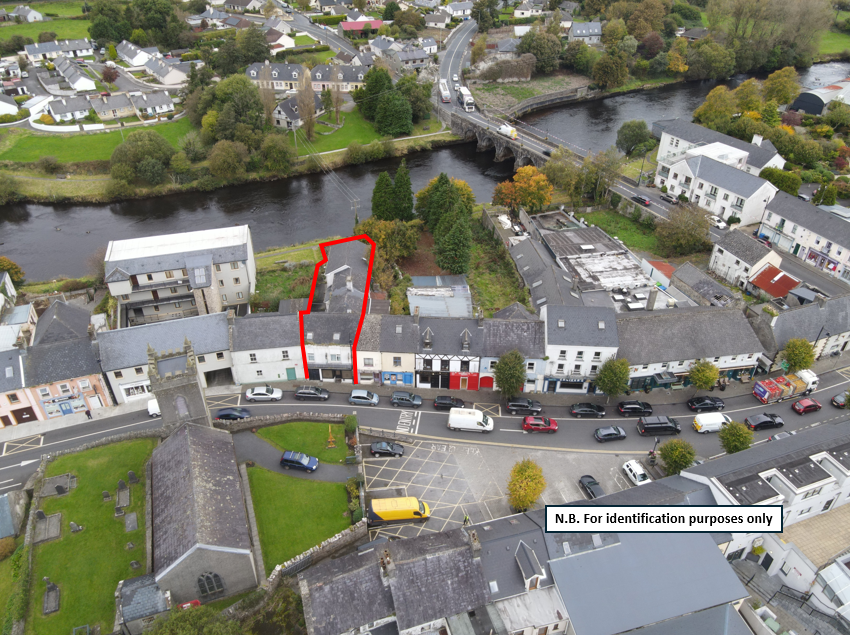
(64, 405)
(398, 379)
(821, 260)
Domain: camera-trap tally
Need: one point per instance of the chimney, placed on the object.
(231, 317)
(650, 303)
(465, 340)
(575, 283)
(757, 139)
(416, 315)
(475, 544)
(349, 283)
(145, 96)
(821, 300)
(387, 564)
(480, 317)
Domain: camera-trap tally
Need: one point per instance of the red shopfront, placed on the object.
(463, 381)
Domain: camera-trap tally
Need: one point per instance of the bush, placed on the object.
(206, 183)
(525, 485)
(733, 219)
(72, 285)
(48, 165)
(357, 515)
(615, 200)
(351, 424)
(117, 189)
(7, 547)
(648, 221)
(355, 154)
(663, 189)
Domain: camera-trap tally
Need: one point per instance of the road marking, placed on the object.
(6, 481)
(22, 464)
(8, 486)
(492, 409)
(82, 436)
(512, 430)
(22, 445)
(408, 421)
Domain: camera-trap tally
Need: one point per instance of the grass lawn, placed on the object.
(304, 40)
(23, 145)
(293, 253)
(49, 287)
(6, 575)
(71, 29)
(309, 438)
(276, 284)
(632, 168)
(88, 565)
(492, 276)
(324, 56)
(356, 128)
(59, 8)
(634, 236)
(833, 42)
(294, 514)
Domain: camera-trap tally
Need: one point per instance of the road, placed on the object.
(326, 36)
(19, 458)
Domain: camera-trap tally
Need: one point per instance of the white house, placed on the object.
(50, 50)
(449, 353)
(328, 341)
(169, 72)
(587, 32)
(8, 106)
(76, 79)
(737, 256)
(348, 78)
(243, 5)
(369, 350)
(158, 102)
(286, 113)
(527, 10)
(135, 55)
(278, 40)
(459, 9)
(428, 44)
(68, 108)
(514, 328)
(279, 77)
(437, 20)
(266, 347)
(26, 14)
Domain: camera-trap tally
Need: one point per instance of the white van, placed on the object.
(710, 422)
(470, 420)
(153, 409)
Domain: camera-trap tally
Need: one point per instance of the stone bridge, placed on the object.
(487, 138)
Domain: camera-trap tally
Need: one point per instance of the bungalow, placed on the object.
(437, 20)
(587, 32)
(135, 55)
(277, 24)
(358, 29)
(76, 79)
(114, 106)
(348, 78)
(286, 112)
(26, 14)
(429, 45)
(380, 45)
(506, 49)
(235, 22)
(526, 10)
(50, 50)
(692, 35)
(243, 5)
(279, 77)
(459, 9)
(169, 71)
(278, 40)
(156, 103)
(365, 59)
(68, 108)
(8, 106)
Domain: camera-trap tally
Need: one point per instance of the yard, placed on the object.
(24, 145)
(303, 40)
(493, 278)
(308, 437)
(632, 169)
(70, 29)
(636, 237)
(59, 8)
(87, 566)
(294, 514)
(274, 285)
(507, 95)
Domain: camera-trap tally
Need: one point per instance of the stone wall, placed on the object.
(273, 420)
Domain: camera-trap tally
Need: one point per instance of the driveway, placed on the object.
(250, 447)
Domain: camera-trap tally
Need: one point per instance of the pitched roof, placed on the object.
(279, 72)
(515, 311)
(759, 156)
(141, 597)
(526, 336)
(586, 29)
(338, 72)
(816, 220)
(743, 246)
(448, 334)
(370, 334)
(725, 176)
(65, 105)
(10, 370)
(265, 330)
(363, 25)
(116, 101)
(706, 287)
(196, 495)
(61, 322)
(581, 326)
(324, 326)
(546, 281)
(806, 320)
(289, 107)
(696, 33)
(59, 361)
(774, 281)
(152, 100)
(508, 46)
(128, 49)
(399, 334)
(683, 334)
(123, 348)
(54, 46)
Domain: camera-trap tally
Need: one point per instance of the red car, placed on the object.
(539, 424)
(805, 405)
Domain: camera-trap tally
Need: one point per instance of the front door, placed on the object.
(796, 249)
(552, 386)
(463, 382)
(768, 560)
(290, 374)
(65, 407)
(314, 374)
(827, 505)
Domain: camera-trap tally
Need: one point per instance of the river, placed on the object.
(53, 240)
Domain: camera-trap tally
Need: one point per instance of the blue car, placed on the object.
(298, 461)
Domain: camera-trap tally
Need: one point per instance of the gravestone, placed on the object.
(130, 546)
(47, 527)
(121, 484)
(132, 478)
(122, 497)
(106, 496)
(60, 490)
(75, 528)
(49, 486)
(39, 515)
(119, 511)
(135, 564)
(51, 598)
(131, 523)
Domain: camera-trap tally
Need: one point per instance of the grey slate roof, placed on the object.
(621, 569)
(391, 341)
(59, 361)
(547, 282)
(582, 326)
(586, 29)
(70, 72)
(265, 330)
(8, 100)
(128, 49)
(196, 494)
(124, 348)
(293, 305)
(61, 46)
(684, 334)
(447, 336)
(141, 597)
(332, 72)
(65, 105)
(806, 321)
(287, 108)
(702, 284)
(323, 326)
(719, 619)
(725, 176)
(507, 46)
(515, 311)
(696, 33)
(112, 102)
(816, 220)
(10, 370)
(61, 322)
(370, 333)
(743, 247)
(526, 336)
(693, 133)
(151, 100)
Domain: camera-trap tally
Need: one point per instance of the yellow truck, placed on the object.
(388, 510)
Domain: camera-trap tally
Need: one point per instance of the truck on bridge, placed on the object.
(465, 99)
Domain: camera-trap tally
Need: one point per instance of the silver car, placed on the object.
(359, 397)
(263, 393)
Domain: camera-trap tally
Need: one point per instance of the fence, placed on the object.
(836, 621)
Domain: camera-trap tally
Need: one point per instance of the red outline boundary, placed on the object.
(307, 311)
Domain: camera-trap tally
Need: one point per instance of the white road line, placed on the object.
(7, 480)
(8, 486)
(83, 436)
(512, 430)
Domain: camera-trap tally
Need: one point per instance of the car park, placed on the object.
(408, 400)
(521, 405)
(312, 392)
(263, 393)
(386, 448)
(763, 421)
(716, 221)
(805, 405)
(609, 433)
(698, 404)
(232, 414)
(359, 397)
(642, 200)
(591, 486)
(539, 424)
(839, 400)
(580, 410)
(634, 408)
(637, 475)
(444, 402)
(667, 198)
(298, 461)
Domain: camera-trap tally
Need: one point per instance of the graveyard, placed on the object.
(89, 535)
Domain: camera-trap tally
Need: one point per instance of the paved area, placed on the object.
(822, 536)
(250, 447)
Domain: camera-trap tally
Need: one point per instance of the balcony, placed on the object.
(160, 301)
(738, 208)
(664, 171)
(162, 284)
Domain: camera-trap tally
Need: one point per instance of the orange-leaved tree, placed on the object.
(532, 188)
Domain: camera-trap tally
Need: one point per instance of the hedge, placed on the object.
(330, 20)
(518, 21)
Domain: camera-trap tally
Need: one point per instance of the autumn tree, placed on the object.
(228, 159)
(510, 374)
(613, 32)
(505, 194)
(677, 57)
(798, 354)
(676, 455)
(651, 45)
(533, 189)
(686, 230)
(613, 377)
(748, 96)
(611, 70)
(717, 109)
(306, 100)
(109, 74)
(599, 172)
(526, 482)
(395, 239)
(782, 86)
(735, 437)
(15, 272)
(703, 374)
(479, 50)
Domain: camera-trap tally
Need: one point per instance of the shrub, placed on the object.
(355, 154)
(117, 189)
(615, 200)
(48, 165)
(351, 424)
(72, 285)
(733, 219)
(206, 183)
(663, 189)
(357, 515)
(7, 547)
(648, 221)
(170, 116)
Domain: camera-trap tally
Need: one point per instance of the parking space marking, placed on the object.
(22, 445)
(492, 409)
(844, 372)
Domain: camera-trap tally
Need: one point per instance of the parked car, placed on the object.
(444, 402)
(153, 409)
(24, 74)
(298, 461)
(764, 420)
(539, 424)
(524, 406)
(805, 405)
(610, 433)
(804, 197)
(580, 410)
(360, 397)
(698, 404)
(232, 414)
(642, 200)
(716, 221)
(667, 198)
(103, 50)
(636, 473)
(781, 435)
(385, 448)
(591, 486)
(633, 408)
(839, 400)
(406, 399)
(263, 393)
(312, 392)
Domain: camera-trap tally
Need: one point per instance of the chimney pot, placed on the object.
(650, 303)
(821, 300)
(416, 315)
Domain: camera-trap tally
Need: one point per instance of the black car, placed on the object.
(839, 400)
(312, 392)
(520, 405)
(406, 399)
(764, 420)
(385, 448)
(634, 408)
(642, 200)
(698, 404)
(232, 414)
(447, 403)
(611, 433)
(591, 486)
(580, 410)
(298, 461)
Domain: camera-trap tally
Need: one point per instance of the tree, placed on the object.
(593, 7)
(651, 45)
(545, 47)
(360, 5)
(277, 154)
(151, 170)
(46, 36)
(554, 26)
(785, 181)
(393, 117)
(526, 484)
(431, 198)
(9, 189)
(402, 193)
(382, 198)
(613, 33)
(455, 249)
(782, 86)
(659, 64)
(202, 620)
(677, 455)
(533, 189)
(395, 240)
(611, 70)
(109, 74)
(138, 146)
(599, 172)
(717, 109)
(829, 195)
(748, 96)
(418, 95)
(798, 354)
(139, 37)
(180, 166)
(227, 159)
(390, 10)
(686, 231)
(735, 437)
(510, 374)
(769, 114)
(377, 81)
(252, 46)
(15, 272)
(505, 194)
(628, 46)
(337, 98)
(479, 50)
(613, 377)
(703, 374)
(269, 9)
(486, 12)
(631, 134)
(306, 100)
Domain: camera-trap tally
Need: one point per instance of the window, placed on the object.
(139, 370)
(210, 584)
(201, 359)
(577, 369)
(252, 357)
(811, 493)
(218, 267)
(804, 511)
(794, 229)
(645, 367)
(224, 298)
(699, 185)
(675, 175)
(739, 202)
(311, 357)
(64, 389)
(529, 367)
(193, 303)
(593, 369)
(239, 295)
(597, 355)
(335, 358)
(236, 281)
(785, 568)
(125, 296)
(464, 366)
(259, 373)
(560, 368)
(396, 362)
(444, 365)
(149, 277)
(309, 335)
(696, 199)
(173, 290)
(13, 397)
(169, 274)
(284, 354)
(725, 197)
(769, 214)
(493, 364)
(563, 354)
(219, 355)
(118, 374)
(156, 308)
(368, 362)
(177, 305)
(234, 265)
(221, 283)
(737, 262)
(716, 359)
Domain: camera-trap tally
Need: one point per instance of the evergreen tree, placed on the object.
(439, 200)
(403, 193)
(378, 81)
(455, 249)
(382, 198)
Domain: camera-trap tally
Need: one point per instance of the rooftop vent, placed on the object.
(398, 328)
(587, 247)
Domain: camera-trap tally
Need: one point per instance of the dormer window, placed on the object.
(339, 77)
(253, 73)
(318, 76)
(294, 74)
(360, 77)
(274, 73)
(529, 566)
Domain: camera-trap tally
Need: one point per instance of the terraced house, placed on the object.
(278, 77)
(51, 50)
(347, 78)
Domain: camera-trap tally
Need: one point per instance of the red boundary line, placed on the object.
(307, 311)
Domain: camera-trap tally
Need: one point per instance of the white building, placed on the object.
(50, 50)
(8, 106)
(170, 72)
(135, 55)
(68, 108)
(266, 347)
(738, 256)
(514, 328)
(328, 341)
(459, 9)
(76, 78)
(527, 10)
(26, 14)
(279, 77)
(369, 350)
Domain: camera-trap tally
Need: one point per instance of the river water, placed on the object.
(54, 240)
